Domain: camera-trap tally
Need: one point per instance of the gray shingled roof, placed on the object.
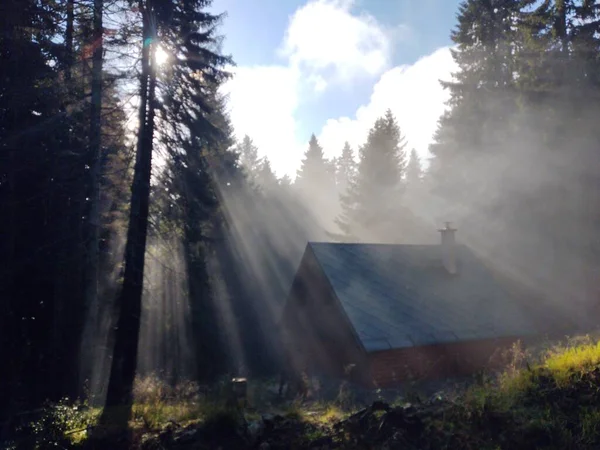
(401, 296)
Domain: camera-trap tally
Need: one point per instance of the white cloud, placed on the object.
(414, 95)
(326, 43)
(262, 102)
(325, 37)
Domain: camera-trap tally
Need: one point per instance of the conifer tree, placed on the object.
(315, 183)
(249, 159)
(519, 104)
(482, 97)
(285, 181)
(265, 176)
(346, 169)
(414, 172)
(369, 209)
(187, 31)
(313, 173)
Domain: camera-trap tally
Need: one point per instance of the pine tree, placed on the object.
(482, 96)
(414, 172)
(45, 142)
(313, 174)
(285, 181)
(370, 207)
(95, 155)
(265, 176)
(346, 169)
(249, 159)
(315, 183)
(188, 32)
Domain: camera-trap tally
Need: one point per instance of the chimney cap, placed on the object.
(448, 227)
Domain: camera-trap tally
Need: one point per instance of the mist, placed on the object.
(524, 210)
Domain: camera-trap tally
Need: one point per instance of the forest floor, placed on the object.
(546, 398)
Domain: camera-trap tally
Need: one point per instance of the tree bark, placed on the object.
(69, 39)
(95, 149)
(120, 388)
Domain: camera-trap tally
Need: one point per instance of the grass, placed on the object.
(155, 415)
(562, 362)
(547, 397)
(552, 395)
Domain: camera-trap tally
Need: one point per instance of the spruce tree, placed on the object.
(369, 209)
(346, 169)
(315, 183)
(249, 159)
(265, 176)
(187, 31)
(414, 172)
(482, 96)
(285, 181)
(313, 174)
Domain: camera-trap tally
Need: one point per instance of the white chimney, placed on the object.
(448, 248)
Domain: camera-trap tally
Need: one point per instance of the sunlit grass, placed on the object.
(332, 414)
(321, 413)
(562, 362)
(78, 422)
(559, 364)
(155, 415)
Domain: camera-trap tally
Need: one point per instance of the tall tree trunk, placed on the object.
(67, 295)
(69, 39)
(94, 161)
(124, 362)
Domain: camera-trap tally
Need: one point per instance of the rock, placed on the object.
(264, 446)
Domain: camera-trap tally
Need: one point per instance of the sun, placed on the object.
(160, 56)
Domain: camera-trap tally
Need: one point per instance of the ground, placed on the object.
(547, 397)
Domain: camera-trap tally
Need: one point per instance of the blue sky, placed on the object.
(330, 66)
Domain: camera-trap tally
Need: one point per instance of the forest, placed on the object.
(139, 235)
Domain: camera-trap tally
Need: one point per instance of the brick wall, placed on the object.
(432, 362)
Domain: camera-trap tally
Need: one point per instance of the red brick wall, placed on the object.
(391, 367)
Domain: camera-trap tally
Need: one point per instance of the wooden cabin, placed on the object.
(395, 313)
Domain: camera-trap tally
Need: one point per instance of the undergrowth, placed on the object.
(548, 400)
(546, 397)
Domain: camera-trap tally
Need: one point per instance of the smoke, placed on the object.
(523, 200)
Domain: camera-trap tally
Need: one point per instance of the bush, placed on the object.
(59, 425)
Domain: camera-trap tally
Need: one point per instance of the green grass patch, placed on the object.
(155, 415)
(564, 362)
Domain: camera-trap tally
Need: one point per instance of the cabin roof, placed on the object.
(398, 296)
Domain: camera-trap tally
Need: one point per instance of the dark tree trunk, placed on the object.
(120, 388)
(69, 39)
(68, 307)
(94, 159)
